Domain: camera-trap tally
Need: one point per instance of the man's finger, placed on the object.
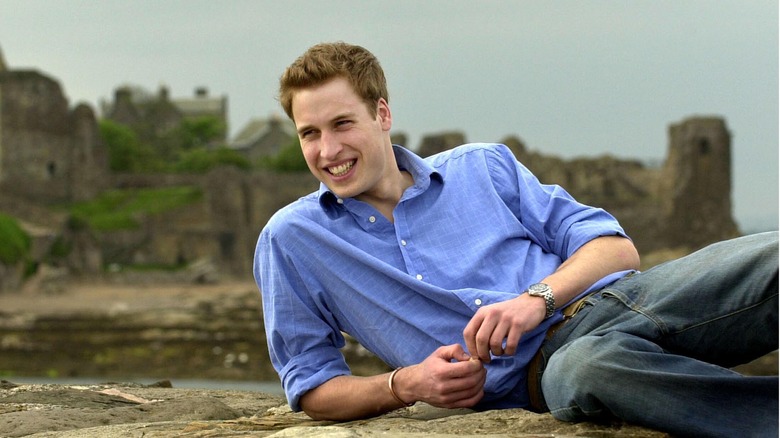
(512, 340)
(470, 334)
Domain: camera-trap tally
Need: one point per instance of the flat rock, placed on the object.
(132, 410)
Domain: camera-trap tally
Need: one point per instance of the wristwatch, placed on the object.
(544, 291)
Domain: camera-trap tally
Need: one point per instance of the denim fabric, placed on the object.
(655, 348)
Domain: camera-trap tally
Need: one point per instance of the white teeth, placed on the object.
(341, 169)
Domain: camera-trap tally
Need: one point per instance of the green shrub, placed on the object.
(126, 153)
(60, 248)
(201, 160)
(16, 242)
(140, 148)
(200, 131)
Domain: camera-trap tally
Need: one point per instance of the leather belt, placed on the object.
(535, 365)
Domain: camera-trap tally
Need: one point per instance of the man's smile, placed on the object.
(341, 169)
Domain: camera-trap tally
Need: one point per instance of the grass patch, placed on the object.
(15, 241)
(120, 209)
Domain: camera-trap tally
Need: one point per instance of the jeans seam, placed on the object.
(578, 409)
(728, 315)
(636, 308)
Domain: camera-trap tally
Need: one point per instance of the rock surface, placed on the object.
(131, 332)
(105, 331)
(131, 410)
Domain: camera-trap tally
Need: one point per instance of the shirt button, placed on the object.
(419, 277)
(403, 242)
(340, 201)
(478, 302)
(371, 219)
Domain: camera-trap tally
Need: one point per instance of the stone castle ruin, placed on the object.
(155, 116)
(52, 154)
(684, 203)
(48, 151)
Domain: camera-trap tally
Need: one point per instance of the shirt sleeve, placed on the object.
(303, 338)
(553, 218)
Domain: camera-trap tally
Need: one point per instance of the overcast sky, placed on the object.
(570, 78)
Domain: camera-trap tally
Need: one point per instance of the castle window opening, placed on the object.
(704, 146)
(51, 168)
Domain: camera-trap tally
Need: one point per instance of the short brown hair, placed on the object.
(326, 61)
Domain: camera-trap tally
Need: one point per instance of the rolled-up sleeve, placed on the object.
(303, 342)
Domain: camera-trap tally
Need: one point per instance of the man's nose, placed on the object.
(330, 146)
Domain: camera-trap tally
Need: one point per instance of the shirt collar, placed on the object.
(419, 168)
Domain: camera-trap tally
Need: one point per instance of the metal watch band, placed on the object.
(545, 291)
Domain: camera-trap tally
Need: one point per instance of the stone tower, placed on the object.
(48, 151)
(696, 182)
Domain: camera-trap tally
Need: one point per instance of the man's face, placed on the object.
(345, 147)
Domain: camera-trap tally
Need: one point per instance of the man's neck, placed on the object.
(391, 196)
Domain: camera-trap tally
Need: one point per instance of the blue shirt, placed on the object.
(476, 228)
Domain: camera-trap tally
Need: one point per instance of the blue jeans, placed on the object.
(654, 349)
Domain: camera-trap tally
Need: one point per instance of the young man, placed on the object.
(457, 271)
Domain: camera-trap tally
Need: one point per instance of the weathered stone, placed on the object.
(696, 182)
(154, 116)
(399, 138)
(685, 203)
(435, 143)
(119, 410)
(264, 137)
(48, 153)
(11, 276)
(176, 331)
(207, 331)
(47, 280)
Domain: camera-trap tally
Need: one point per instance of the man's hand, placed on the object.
(497, 328)
(447, 379)
(509, 320)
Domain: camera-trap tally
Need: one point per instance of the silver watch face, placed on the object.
(544, 291)
(538, 288)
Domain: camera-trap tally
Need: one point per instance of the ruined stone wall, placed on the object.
(626, 189)
(179, 236)
(686, 203)
(434, 143)
(696, 182)
(88, 156)
(35, 130)
(48, 153)
(221, 229)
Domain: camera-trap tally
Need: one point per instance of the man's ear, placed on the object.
(383, 114)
